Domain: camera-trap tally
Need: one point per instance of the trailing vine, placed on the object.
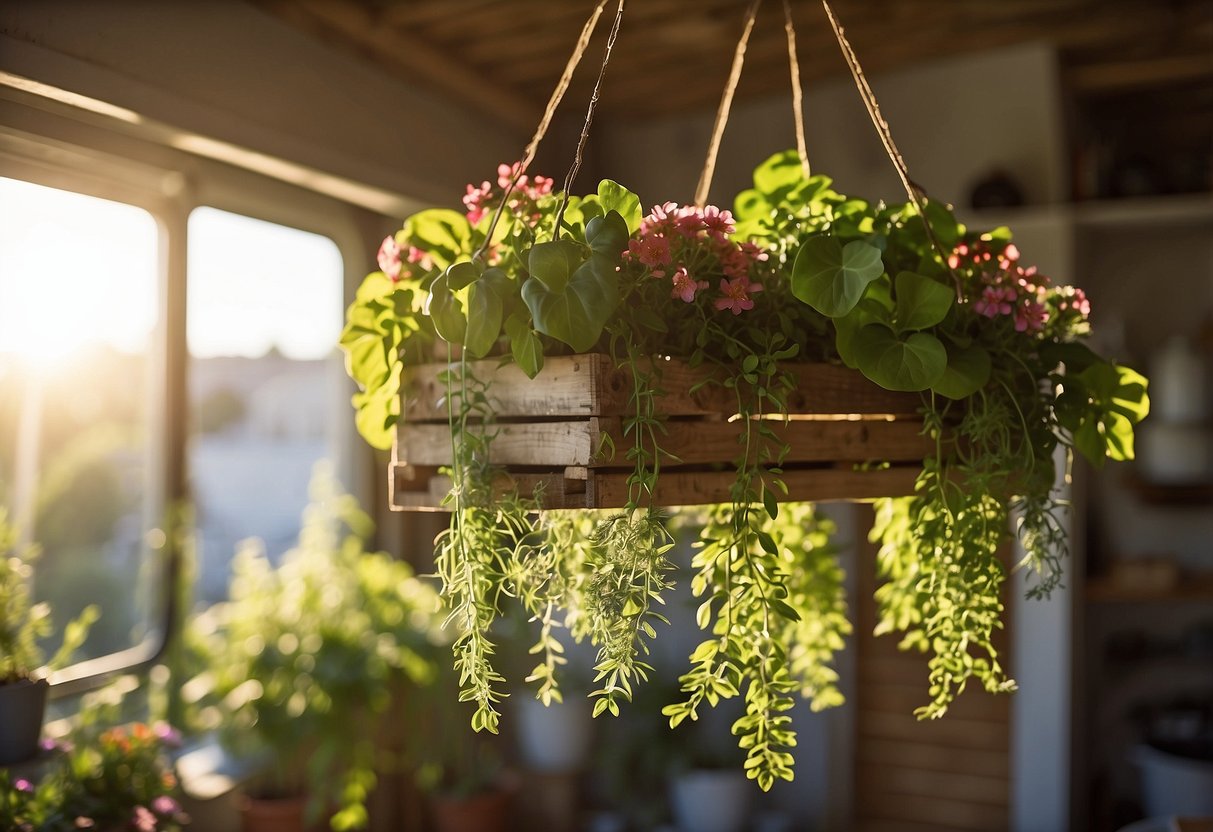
(903, 294)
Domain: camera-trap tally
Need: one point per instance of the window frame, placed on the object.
(58, 146)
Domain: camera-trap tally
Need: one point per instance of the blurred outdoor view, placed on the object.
(81, 405)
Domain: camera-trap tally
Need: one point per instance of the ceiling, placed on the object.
(504, 56)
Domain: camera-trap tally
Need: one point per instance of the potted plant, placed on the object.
(23, 682)
(462, 772)
(901, 296)
(307, 657)
(105, 776)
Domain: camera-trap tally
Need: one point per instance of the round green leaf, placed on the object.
(921, 301)
(780, 171)
(910, 365)
(831, 277)
(577, 313)
(608, 235)
(614, 197)
(967, 372)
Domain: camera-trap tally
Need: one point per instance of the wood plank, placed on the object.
(588, 488)
(944, 759)
(678, 488)
(908, 780)
(981, 735)
(590, 385)
(586, 442)
(974, 703)
(943, 811)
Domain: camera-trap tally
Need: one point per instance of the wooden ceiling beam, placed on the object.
(417, 59)
(1153, 72)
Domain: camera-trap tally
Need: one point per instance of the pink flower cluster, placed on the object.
(1007, 288)
(482, 199)
(397, 267)
(688, 245)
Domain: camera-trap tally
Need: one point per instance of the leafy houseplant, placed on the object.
(106, 777)
(23, 684)
(903, 294)
(306, 658)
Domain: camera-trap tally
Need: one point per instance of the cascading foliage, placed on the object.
(795, 271)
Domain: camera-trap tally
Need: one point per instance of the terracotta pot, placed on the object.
(22, 708)
(485, 812)
(279, 814)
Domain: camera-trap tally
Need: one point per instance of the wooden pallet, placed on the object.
(849, 438)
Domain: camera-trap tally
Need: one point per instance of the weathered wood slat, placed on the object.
(416, 489)
(564, 432)
(587, 442)
(590, 385)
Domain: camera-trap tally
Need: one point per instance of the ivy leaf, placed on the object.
(943, 223)
(608, 235)
(831, 277)
(485, 310)
(921, 302)
(446, 311)
(913, 364)
(377, 411)
(569, 299)
(614, 197)
(525, 346)
(967, 371)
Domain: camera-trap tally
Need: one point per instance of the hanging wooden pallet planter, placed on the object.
(849, 438)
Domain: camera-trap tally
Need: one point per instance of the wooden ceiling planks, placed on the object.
(503, 56)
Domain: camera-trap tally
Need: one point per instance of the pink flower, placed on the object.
(652, 250)
(1030, 317)
(717, 222)
(85, 823)
(685, 286)
(23, 785)
(143, 820)
(474, 200)
(737, 295)
(166, 733)
(389, 258)
(165, 805)
(995, 301)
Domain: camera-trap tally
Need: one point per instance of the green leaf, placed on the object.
(444, 234)
(750, 204)
(525, 346)
(781, 171)
(831, 277)
(614, 197)
(921, 301)
(770, 503)
(461, 275)
(446, 311)
(553, 263)
(485, 311)
(1130, 397)
(577, 313)
(913, 364)
(608, 235)
(967, 371)
(943, 223)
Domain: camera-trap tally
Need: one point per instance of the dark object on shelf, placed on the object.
(22, 706)
(997, 190)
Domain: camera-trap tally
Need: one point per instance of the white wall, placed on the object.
(954, 121)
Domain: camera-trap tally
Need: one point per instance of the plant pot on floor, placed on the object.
(22, 708)
(278, 814)
(711, 800)
(553, 738)
(483, 812)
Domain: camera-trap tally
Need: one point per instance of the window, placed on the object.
(79, 297)
(266, 390)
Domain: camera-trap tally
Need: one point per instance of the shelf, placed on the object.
(1105, 591)
(1179, 210)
